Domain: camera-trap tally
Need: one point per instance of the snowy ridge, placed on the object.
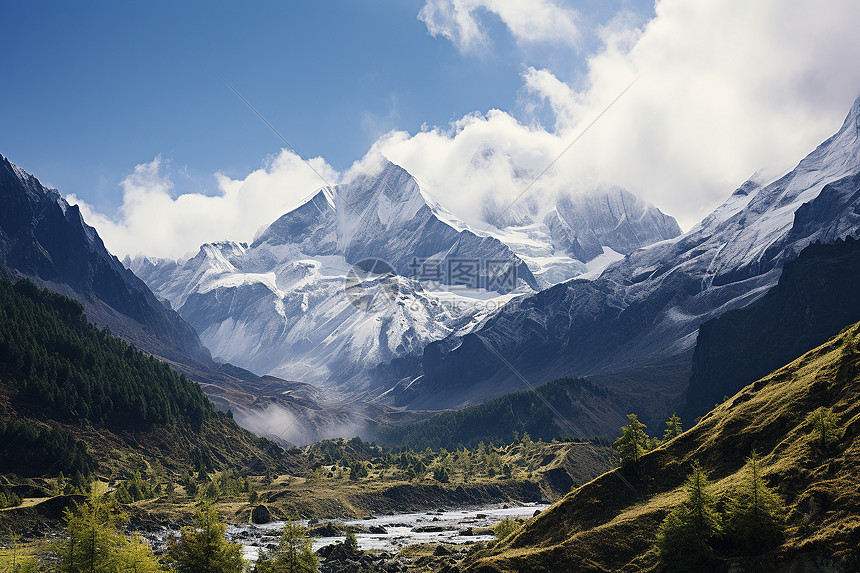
(286, 304)
(646, 308)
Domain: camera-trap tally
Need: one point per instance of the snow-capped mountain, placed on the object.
(285, 304)
(645, 310)
(579, 235)
(292, 303)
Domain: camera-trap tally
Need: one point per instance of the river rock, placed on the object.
(340, 552)
(261, 514)
(429, 529)
(328, 530)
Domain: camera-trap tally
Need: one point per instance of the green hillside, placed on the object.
(74, 398)
(611, 523)
(563, 408)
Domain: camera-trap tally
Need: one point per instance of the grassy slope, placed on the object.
(610, 523)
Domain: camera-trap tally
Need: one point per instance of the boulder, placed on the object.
(261, 514)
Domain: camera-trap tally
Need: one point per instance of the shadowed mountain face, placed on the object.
(818, 294)
(45, 239)
(644, 311)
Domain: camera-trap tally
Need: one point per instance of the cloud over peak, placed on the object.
(724, 88)
(156, 221)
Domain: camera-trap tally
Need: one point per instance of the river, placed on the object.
(401, 529)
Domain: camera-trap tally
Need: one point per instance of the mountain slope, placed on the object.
(76, 398)
(644, 311)
(611, 522)
(43, 238)
(817, 295)
(563, 408)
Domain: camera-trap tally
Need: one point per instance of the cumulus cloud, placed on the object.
(155, 221)
(725, 88)
(529, 21)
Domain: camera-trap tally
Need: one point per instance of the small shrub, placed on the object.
(504, 528)
(824, 426)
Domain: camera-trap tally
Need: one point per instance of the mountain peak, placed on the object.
(387, 179)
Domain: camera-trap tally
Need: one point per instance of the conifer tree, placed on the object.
(824, 426)
(204, 548)
(684, 536)
(633, 441)
(95, 544)
(673, 428)
(93, 540)
(294, 553)
(136, 557)
(756, 513)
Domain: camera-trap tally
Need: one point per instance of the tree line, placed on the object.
(62, 365)
(525, 411)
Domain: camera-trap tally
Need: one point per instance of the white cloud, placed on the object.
(529, 21)
(154, 221)
(725, 87)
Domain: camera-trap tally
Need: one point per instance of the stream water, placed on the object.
(401, 529)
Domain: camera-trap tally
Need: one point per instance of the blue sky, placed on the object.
(123, 106)
(94, 88)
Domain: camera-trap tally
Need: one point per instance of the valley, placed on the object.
(466, 351)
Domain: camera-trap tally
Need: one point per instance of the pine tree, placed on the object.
(684, 536)
(93, 540)
(136, 557)
(673, 428)
(294, 553)
(633, 441)
(756, 513)
(122, 495)
(441, 474)
(204, 548)
(95, 544)
(351, 540)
